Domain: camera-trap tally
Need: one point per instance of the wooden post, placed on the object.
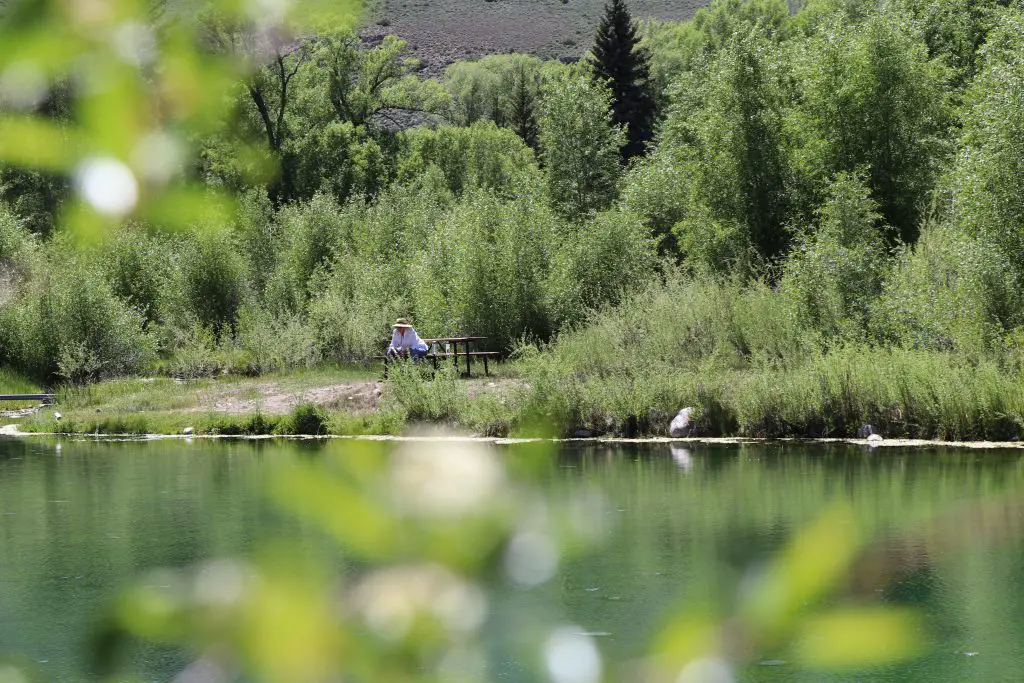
(469, 359)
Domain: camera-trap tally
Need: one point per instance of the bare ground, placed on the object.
(274, 398)
(440, 32)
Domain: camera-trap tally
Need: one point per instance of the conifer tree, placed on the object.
(520, 107)
(619, 61)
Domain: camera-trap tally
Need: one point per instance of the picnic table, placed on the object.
(448, 347)
(443, 348)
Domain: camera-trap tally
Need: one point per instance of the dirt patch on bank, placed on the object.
(275, 398)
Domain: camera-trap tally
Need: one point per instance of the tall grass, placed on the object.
(741, 357)
(13, 383)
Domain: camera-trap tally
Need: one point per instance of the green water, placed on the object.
(685, 527)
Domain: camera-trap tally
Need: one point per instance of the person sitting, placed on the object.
(405, 342)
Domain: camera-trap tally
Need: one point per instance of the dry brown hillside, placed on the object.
(442, 31)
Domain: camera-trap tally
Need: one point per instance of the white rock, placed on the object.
(681, 424)
(56, 416)
(875, 438)
(188, 430)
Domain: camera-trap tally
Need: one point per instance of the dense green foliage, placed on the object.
(839, 180)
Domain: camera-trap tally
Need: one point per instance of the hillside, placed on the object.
(443, 31)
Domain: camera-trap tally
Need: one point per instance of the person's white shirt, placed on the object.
(406, 339)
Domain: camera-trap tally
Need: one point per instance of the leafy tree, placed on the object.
(275, 62)
(475, 87)
(989, 173)
(36, 195)
(954, 30)
(872, 99)
(337, 159)
(658, 190)
(815, 15)
(580, 144)
(474, 157)
(502, 88)
(677, 49)
(364, 84)
(623, 65)
(728, 131)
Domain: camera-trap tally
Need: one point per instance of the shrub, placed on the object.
(140, 269)
(17, 244)
(441, 397)
(214, 280)
(305, 419)
(835, 272)
(481, 156)
(609, 256)
(949, 292)
(350, 317)
(196, 353)
(313, 233)
(69, 324)
(258, 236)
(274, 344)
(500, 257)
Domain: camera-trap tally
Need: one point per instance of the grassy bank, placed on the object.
(903, 393)
(738, 354)
(343, 400)
(752, 365)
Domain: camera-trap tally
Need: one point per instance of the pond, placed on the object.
(78, 519)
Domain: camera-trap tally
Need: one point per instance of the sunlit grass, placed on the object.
(13, 383)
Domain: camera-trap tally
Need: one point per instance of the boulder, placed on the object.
(875, 438)
(682, 424)
(583, 433)
(188, 431)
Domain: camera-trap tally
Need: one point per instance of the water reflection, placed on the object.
(682, 456)
(684, 527)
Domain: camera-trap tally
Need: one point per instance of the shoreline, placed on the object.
(12, 431)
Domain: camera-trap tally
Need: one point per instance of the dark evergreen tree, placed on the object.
(620, 62)
(520, 107)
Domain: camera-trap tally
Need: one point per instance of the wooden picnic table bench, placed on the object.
(443, 348)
